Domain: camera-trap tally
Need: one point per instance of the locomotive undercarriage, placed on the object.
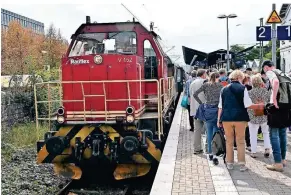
(132, 150)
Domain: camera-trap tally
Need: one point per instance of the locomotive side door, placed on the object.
(163, 78)
(152, 70)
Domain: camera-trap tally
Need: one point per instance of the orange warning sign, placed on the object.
(274, 18)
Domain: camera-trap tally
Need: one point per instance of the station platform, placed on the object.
(182, 173)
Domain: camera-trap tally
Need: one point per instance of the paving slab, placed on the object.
(185, 173)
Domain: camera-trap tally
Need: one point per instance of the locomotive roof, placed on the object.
(82, 26)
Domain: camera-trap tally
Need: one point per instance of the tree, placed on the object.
(236, 48)
(25, 52)
(268, 52)
(55, 45)
(253, 54)
(16, 46)
(250, 55)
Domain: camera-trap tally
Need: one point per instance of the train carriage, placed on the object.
(116, 100)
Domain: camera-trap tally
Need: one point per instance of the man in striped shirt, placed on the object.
(187, 92)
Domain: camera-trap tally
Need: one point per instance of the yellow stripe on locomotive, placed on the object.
(84, 142)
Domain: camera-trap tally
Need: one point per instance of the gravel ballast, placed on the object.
(21, 175)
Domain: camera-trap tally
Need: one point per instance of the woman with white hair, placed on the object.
(233, 103)
(259, 94)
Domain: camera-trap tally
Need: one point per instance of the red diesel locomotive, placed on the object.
(117, 100)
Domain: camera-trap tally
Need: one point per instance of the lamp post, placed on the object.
(227, 34)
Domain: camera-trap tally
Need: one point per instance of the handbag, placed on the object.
(259, 111)
(184, 102)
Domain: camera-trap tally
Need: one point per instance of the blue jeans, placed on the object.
(211, 129)
(278, 138)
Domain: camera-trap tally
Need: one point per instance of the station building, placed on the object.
(285, 46)
(8, 16)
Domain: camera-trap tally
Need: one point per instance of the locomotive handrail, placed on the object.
(108, 114)
(170, 91)
(103, 81)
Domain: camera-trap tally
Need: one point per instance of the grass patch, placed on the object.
(21, 136)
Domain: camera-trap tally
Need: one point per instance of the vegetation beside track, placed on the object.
(20, 136)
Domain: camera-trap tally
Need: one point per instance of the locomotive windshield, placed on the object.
(104, 43)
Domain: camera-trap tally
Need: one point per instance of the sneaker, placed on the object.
(215, 161)
(198, 152)
(229, 166)
(191, 130)
(284, 163)
(275, 167)
(267, 153)
(210, 157)
(249, 148)
(260, 137)
(243, 168)
(253, 155)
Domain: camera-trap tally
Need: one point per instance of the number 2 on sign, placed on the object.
(261, 35)
(289, 31)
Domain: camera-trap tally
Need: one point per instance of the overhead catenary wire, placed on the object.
(134, 16)
(164, 43)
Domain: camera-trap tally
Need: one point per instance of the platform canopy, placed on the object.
(209, 59)
(189, 54)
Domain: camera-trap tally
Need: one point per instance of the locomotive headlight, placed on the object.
(129, 110)
(98, 59)
(129, 119)
(60, 119)
(61, 111)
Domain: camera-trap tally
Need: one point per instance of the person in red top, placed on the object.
(223, 79)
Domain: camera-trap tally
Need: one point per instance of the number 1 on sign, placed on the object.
(289, 31)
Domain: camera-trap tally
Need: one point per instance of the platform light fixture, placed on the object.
(222, 16)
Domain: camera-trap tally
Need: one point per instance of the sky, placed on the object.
(192, 23)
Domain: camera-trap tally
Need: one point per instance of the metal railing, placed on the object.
(165, 94)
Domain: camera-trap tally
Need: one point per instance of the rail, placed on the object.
(163, 99)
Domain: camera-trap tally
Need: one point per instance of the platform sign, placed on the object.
(201, 63)
(264, 33)
(284, 32)
(274, 18)
(239, 62)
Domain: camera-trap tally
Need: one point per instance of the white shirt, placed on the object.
(194, 86)
(247, 100)
(271, 75)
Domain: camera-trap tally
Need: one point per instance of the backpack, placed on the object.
(218, 144)
(284, 92)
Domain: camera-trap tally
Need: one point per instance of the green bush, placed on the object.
(42, 95)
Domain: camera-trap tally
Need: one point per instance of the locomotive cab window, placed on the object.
(150, 61)
(122, 42)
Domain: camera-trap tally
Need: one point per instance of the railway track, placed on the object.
(69, 189)
(140, 186)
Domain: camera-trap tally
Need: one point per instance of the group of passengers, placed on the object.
(236, 102)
